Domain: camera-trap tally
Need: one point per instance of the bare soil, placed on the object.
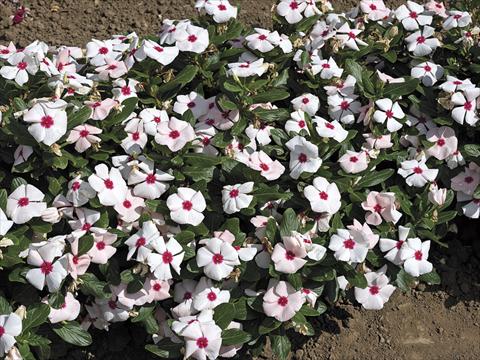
(441, 322)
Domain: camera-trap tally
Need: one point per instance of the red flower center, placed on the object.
(157, 287)
(349, 244)
(294, 5)
(24, 201)
(399, 244)
(135, 136)
(417, 170)
(302, 158)
(289, 255)
(140, 242)
(2, 331)
(126, 90)
(86, 226)
(323, 195)
(413, 15)
(212, 296)
(378, 208)
(22, 65)
(373, 7)
(158, 49)
(206, 141)
(344, 105)
(46, 121)
(151, 179)
(282, 301)
(75, 259)
(222, 7)
(468, 106)
(127, 204)
(418, 255)
(192, 38)
(353, 159)
(264, 167)
(112, 304)
(191, 105)
(234, 193)
(167, 257)
(84, 133)
(427, 68)
(326, 66)
(420, 39)
(351, 35)
(301, 124)
(174, 134)
(262, 37)
(305, 100)
(456, 17)
(374, 290)
(217, 259)
(112, 67)
(100, 245)
(467, 179)
(103, 50)
(108, 184)
(441, 142)
(330, 126)
(46, 267)
(389, 114)
(187, 295)
(187, 205)
(157, 119)
(202, 342)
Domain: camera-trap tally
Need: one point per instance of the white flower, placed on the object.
(221, 10)
(5, 224)
(25, 203)
(166, 256)
(218, 259)
(235, 197)
(162, 54)
(391, 112)
(347, 247)
(349, 37)
(303, 156)
(208, 297)
(247, 68)
(10, 326)
(269, 169)
(415, 254)
(49, 121)
(192, 38)
(326, 68)
(332, 129)
(296, 123)
(392, 247)
(99, 51)
(465, 106)
(428, 72)
(457, 19)
(308, 103)
(412, 16)
(472, 209)
(263, 40)
(261, 133)
(323, 196)
(420, 42)
(109, 185)
(342, 108)
(453, 84)
(150, 183)
(79, 191)
(21, 66)
(291, 10)
(353, 162)
(186, 206)
(377, 292)
(46, 271)
(193, 102)
(174, 134)
(416, 173)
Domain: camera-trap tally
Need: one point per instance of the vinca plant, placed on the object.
(219, 186)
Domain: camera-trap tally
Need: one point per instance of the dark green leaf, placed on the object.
(72, 333)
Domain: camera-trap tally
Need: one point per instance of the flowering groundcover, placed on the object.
(219, 185)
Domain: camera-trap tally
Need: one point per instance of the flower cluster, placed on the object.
(217, 183)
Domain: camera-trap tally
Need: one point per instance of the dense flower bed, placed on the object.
(220, 185)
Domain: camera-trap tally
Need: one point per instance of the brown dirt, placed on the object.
(433, 323)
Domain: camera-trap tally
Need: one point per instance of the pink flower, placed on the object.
(390, 112)
(131, 208)
(10, 326)
(380, 206)
(377, 292)
(84, 137)
(466, 182)
(101, 109)
(136, 138)
(357, 230)
(416, 173)
(472, 209)
(157, 290)
(445, 142)
(25, 203)
(324, 197)
(68, 311)
(218, 258)
(77, 264)
(162, 54)
(288, 256)
(49, 121)
(393, 247)
(192, 38)
(303, 156)
(124, 90)
(375, 9)
(378, 142)
(102, 248)
(269, 169)
(46, 272)
(348, 246)
(166, 256)
(113, 69)
(281, 301)
(141, 241)
(208, 297)
(331, 129)
(436, 7)
(110, 187)
(174, 134)
(186, 206)
(414, 253)
(150, 183)
(353, 162)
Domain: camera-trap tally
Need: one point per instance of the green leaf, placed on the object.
(445, 216)
(36, 316)
(224, 314)
(374, 178)
(270, 95)
(72, 333)
(92, 286)
(289, 223)
(472, 150)
(268, 325)
(280, 346)
(183, 78)
(5, 307)
(278, 115)
(16, 182)
(79, 117)
(3, 199)
(85, 243)
(396, 90)
(404, 280)
(235, 337)
(432, 278)
(165, 349)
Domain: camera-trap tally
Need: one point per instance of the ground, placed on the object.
(440, 322)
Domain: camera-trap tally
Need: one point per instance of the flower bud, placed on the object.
(437, 196)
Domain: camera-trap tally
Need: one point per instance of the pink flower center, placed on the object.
(417, 170)
(344, 105)
(234, 193)
(457, 82)
(427, 68)
(46, 267)
(103, 50)
(418, 255)
(206, 141)
(108, 184)
(86, 226)
(468, 179)
(191, 105)
(420, 39)
(264, 167)
(46, 121)
(282, 301)
(323, 195)
(157, 119)
(158, 49)
(187, 205)
(349, 244)
(126, 90)
(289, 255)
(217, 259)
(96, 104)
(374, 290)
(24, 201)
(262, 37)
(305, 100)
(111, 67)
(378, 208)
(202, 342)
(330, 126)
(456, 17)
(302, 158)
(135, 136)
(301, 124)
(222, 7)
(84, 133)
(441, 142)
(192, 38)
(353, 159)
(157, 287)
(2, 331)
(167, 257)
(399, 244)
(413, 15)
(373, 7)
(100, 245)
(140, 242)
(351, 35)
(151, 179)
(389, 114)
(75, 259)
(212, 296)
(174, 134)
(468, 106)
(326, 66)
(22, 65)
(127, 204)
(294, 5)
(306, 291)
